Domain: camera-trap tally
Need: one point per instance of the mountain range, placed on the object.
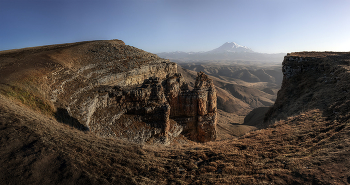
(228, 52)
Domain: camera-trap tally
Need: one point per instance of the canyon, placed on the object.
(103, 112)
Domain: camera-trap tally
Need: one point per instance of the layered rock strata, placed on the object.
(157, 110)
(116, 90)
(195, 110)
(312, 80)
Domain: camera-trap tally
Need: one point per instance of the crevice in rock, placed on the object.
(63, 116)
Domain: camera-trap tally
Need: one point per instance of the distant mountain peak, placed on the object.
(232, 47)
(229, 51)
(233, 44)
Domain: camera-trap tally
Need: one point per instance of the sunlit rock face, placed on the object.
(115, 90)
(195, 110)
(157, 110)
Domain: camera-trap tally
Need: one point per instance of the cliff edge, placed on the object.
(313, 80)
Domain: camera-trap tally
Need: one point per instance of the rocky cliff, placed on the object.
(159, 109)
(313, 80)
(196, 110)
(113, 90)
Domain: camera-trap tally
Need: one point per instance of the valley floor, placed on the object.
(231, 125)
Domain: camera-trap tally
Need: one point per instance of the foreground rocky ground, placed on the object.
(307, 139)
(304, 149)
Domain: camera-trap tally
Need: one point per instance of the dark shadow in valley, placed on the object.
(256, 116)
(63, 116)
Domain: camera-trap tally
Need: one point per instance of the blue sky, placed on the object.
(268, 26)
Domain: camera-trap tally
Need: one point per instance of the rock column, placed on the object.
(207, 111)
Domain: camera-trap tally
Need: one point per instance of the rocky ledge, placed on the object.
(313, 80)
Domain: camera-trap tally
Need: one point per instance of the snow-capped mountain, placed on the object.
(231, 47)
(229, 51)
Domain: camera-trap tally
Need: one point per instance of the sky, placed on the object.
(267, 26)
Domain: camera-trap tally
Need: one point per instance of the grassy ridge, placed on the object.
(28, 98)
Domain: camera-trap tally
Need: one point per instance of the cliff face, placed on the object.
(157, 109)
(312, 114)
(313, 80)
(196, 110)
(115, 90)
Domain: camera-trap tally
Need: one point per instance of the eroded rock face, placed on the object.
(195, 110)
(156, 110)
(156, 102)
(311, 80)
(206, 97)
(116, 90)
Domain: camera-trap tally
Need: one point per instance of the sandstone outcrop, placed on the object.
(195, 110)
(161, 110)
(114, 90)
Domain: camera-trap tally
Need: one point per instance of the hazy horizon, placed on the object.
(266, 26)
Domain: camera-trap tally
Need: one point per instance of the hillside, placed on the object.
(235, 95)
(307, 141)
(271, 74)
(91, 86)
(235, 101)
